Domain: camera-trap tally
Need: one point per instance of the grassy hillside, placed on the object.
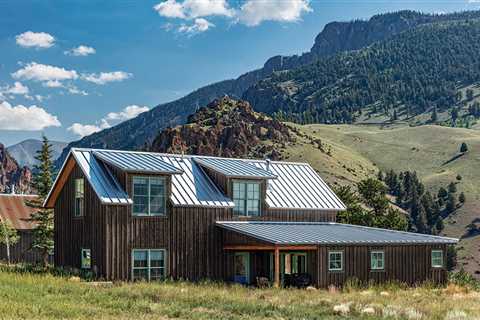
(31, 296)
(432, 151)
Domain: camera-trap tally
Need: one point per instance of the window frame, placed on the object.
(148, 195)
(245, 198)
(437, 266)
(341, 269)
(82, 266)
(80, 212)
(377, 251)
(149, 267)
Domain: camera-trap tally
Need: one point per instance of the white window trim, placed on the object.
(431, 258)
(383, 260)
(149, 268)
(149, 214)
(246, 182)
(341, 260)
(81, 258)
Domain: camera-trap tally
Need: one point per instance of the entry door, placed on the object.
(242, 267)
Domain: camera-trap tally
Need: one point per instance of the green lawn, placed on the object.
(29, 296)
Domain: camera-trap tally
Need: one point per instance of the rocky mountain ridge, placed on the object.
(12, 176)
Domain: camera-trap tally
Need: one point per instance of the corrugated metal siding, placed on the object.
(298, 186)
(105, 185)
(136, 161)
(15, 209)
(234, 168)
(295, 233)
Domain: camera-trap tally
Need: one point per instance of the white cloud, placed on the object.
(127, 113)
(105, 77)
(254, 12)
(199, 25)
(31, 118)
(80, 51)
(51, 76)
(191, 9)
(31, 39)
(75, 90)
(17, 88)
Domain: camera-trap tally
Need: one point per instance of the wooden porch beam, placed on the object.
(268, 248)
(276, 275)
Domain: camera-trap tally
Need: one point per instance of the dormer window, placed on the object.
(149, 195)
(246, 196)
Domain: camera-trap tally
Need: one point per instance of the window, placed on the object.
(79, 197)
(335, 260)
(148, 264)
(149, 196)
(246, 196)
(437, 259)
(377, 260)
(86, 259)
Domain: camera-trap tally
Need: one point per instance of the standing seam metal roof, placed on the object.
(327, 233)
(234, 168)
(14, 208)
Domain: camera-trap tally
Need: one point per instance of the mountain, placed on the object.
(415, 72)
(335, 38)
(13, 175)
(226, 128)
(24, 152)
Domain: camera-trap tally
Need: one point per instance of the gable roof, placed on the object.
(327, 233)
(14, 208)
(290, 185)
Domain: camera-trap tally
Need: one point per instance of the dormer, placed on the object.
(243, 182)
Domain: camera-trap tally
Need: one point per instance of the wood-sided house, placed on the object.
(137, 215)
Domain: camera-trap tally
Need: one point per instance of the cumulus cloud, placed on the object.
(18, 89)
(75, 90)
(51, 76)
(199, 25)
(80, 51)
(31, 118)
(254, 12)
(105, 77)
(112, 118)
(191, 9)
(31, 39)
(170, 9)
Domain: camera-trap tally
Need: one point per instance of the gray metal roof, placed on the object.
(234, 168)
(327, 233)
(136, 161)
(298, 186)
(193, 187)
(102, 181)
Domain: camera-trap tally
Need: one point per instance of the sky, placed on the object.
(71, 68)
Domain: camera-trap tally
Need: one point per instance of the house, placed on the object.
(15, 209)
(137, 215)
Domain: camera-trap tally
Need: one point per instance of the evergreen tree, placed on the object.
(469, 94)
(442, 193)
(461, 198)
(463, 147)
(459, 177)
(8, 236)
(434, 116)
(452, 188)
(43, 218)
(451, 204)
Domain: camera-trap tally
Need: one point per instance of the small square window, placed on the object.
(335, 260)
(377, 260)
(437, 258)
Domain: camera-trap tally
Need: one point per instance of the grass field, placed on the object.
(360, 150)
(30, 296)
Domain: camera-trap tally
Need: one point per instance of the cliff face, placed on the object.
(12, 175)
(227, 128)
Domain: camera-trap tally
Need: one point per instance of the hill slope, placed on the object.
(336, 37)
(431, 151)
(24, 152)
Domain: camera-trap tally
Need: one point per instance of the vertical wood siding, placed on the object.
(21, 251)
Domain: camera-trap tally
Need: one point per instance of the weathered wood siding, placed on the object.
(21, 251)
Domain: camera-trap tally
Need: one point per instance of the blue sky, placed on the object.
(70, 68)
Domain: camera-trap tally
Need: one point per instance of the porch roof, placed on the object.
(327, 233)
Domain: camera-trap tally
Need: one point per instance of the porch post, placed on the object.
(276, 276)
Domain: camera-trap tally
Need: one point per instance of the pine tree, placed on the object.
(452, 188)
(459, 177)
(461, 198)
(8, 236)
(43, 218)
(451, 204)
(463, 147)
(442, 193)
(434, 116)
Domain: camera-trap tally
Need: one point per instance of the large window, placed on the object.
(149, 196)
(246, 196)
(335, 260)
(377, 260)
(148, 264)
(79, 197)
(437, 258)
